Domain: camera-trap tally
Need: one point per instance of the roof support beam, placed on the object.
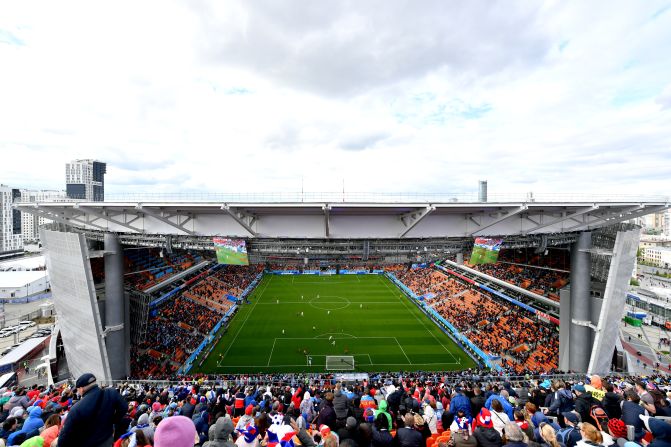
(501, 218)
(565, 216)
(410, 220)
(58, 218)
(327, 216)
(159, 216)
(240, 217)
(102, 215)
(622, 218)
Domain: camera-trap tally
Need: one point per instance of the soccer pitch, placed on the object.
(294, 322)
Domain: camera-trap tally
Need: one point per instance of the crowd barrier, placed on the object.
(443, 324)
(186, 367)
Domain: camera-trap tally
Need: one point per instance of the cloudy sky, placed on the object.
(410, 96)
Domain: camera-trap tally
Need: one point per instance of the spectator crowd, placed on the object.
(419, 409)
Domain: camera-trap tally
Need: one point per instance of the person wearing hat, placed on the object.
(570, 435)
(175, 431)
(484, 430)
(617, 429)
(584, 402)
(93, 421)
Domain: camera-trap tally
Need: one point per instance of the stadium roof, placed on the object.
(27, 263)
(21, 351)
(12, 280)
(344, 219)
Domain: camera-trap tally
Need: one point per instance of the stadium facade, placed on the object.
(603, 249)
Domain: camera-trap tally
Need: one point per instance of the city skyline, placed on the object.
(177, 96)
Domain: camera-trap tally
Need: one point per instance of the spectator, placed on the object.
(176, 431)
(105, 407)
(499, 417)
(591, 437)
(484, 430)
(514, 436)
(407, 436)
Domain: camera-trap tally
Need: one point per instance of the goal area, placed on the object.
(339, 362)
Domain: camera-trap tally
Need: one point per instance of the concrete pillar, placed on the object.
(115, 307)
(460, 258)
(580, 337)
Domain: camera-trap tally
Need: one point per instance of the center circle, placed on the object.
(329, 302)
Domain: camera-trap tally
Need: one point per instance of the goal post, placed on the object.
(339, 362)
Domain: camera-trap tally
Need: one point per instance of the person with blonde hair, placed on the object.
(591, 436)
(549, 436)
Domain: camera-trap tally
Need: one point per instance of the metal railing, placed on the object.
(372, 197)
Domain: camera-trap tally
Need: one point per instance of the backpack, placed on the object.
(563, 434)
(600, 417)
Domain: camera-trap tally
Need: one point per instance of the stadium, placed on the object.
(166, 290)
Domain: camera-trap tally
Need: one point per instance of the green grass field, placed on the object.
(363, 316)
(481, 255)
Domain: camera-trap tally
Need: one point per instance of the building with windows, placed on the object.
(658, 256)
(30, 223)
(85, 180)
(10, 220)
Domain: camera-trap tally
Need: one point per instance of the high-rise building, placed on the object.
(30, 223)
(10, 220)
(85, 180)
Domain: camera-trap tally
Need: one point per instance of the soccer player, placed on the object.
(282, 331)
(314, 328)
(333, 343)
(309, 361)
(360, 306)
(301, 313)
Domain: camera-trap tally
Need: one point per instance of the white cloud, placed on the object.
(387, 96)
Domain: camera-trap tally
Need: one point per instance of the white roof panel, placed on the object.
(21, 351)
(9, 280)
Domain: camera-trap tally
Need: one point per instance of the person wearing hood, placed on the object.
(381, 435)
(484, 430)
(306, 408)
(144, 426)
(383, 410)
(176, 431)
(661, 431)
(514, 436)
(246, 418)
(30, 427)
(220, 433)
(562, 401)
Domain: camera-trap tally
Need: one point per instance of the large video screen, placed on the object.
(231, 251)
(485, 250)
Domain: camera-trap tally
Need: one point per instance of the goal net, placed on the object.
(339, 362)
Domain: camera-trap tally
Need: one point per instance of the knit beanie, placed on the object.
(175, 431)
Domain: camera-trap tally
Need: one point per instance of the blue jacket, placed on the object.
(506, 405)
(461, 403)
(30, 427)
